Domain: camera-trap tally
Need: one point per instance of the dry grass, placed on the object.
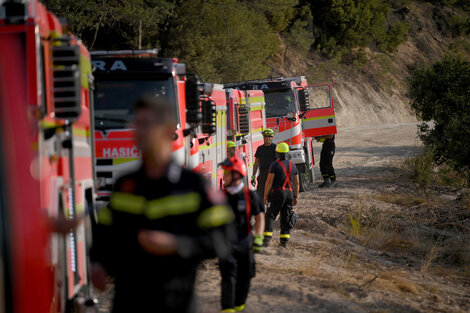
(402, 200)
(429, 259)
(406, 286)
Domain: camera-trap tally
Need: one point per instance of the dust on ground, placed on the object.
(373, 243)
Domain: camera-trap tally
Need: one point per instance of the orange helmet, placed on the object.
(235, 164)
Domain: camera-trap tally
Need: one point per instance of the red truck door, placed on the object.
(316, 102)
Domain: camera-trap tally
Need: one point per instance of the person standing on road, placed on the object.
(264, 156)
(326, 160)
(283, 178)
(161, 222)
(231, 147)
(239, 268)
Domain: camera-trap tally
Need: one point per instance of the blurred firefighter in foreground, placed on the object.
(231, 147)
(283, 178)
(161, 222)
(264, 156)
(239, 268)
(326, 160)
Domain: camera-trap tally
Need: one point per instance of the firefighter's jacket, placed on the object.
(179, 203)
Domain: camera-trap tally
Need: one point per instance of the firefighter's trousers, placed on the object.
(326, 160)
(281, 202)
(262, 177)
(237, 271)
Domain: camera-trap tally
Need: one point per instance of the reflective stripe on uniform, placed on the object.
(127, 202)
(173, 205)
(105, 217)
(285, 235)
(215, 216)
(267, 233)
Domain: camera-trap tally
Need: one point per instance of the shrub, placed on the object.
(441, 98)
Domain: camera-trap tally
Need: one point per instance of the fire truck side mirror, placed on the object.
(67, 82)
(208, 117)
(194, 93)
(303, 99)
(180, 69)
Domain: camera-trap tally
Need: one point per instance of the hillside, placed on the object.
(374, 90)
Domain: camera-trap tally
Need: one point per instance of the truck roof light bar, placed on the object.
(124, 52)
(265, 80)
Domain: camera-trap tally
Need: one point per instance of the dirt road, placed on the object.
(360, 247)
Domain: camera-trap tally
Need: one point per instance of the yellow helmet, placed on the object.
(231, 144)
(268, 132)
(282, 147)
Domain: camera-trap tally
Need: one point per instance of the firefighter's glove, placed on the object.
(258, 243)
(253, 180)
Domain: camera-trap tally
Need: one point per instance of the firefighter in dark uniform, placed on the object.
(161, 222)
(326, 160)
(264, 156)
(283, 178)
(239, 268)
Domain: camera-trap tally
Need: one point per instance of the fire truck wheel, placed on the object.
(305, 177)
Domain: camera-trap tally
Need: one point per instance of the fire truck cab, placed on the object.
(45, 160)
(120, 78)
(296, 112)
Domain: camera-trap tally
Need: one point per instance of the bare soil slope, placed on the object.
(371, 244)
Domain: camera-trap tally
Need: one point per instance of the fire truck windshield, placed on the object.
(279, 103)
(114, 99)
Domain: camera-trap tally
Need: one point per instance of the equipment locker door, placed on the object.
(319, 112)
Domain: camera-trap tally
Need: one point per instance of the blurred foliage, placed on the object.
(441, 98)
(300, 34)
(279, 13)
(459, 25)
(229, 40)
(115, 24)
(346, 24)
(222, 41)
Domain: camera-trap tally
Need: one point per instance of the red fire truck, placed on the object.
(246, 121)
(296, 112)
(45, 160)
(120, 78)
(239, 117)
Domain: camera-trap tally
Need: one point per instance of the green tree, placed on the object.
(441, 98)
(347, 24)
(279, 13)
(115, 24)
(300, 34)
(222, 41)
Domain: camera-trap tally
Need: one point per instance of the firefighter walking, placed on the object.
(161, 222)
(283, 180)
(239, 268)
(264, 156)
(326, 160)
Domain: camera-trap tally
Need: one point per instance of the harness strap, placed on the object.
(287, 181)
(248, 209)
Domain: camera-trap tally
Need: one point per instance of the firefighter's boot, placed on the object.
(239, 308)
(333, 180)
(284, 240)
(326, 183)
(267, 238)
